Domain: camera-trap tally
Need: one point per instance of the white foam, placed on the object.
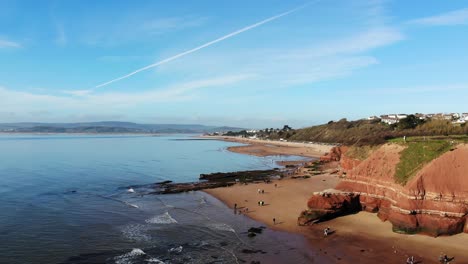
(221, 227)
(176, 249)
(202, 200)
(136, 232)
(136, 252)
(165, 218)
(131, 205)
(155, 260)
(127, 257)
(131, 190)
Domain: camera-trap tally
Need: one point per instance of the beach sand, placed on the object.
(360, 238)
(262, 148)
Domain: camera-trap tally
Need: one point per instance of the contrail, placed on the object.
(204, 45)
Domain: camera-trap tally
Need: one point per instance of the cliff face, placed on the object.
(434, 201)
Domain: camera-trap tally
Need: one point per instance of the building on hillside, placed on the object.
(438, 116)
(389, 119)
(421, 116)
(459, 121)
(401, 116)
(372, 118)
(464, 116)
(448, 116)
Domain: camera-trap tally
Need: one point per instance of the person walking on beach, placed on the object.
(325, 232)
(443, 258)
(410, 260)
(274, 221)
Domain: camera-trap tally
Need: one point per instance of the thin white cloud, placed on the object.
(230, 35)
(281, 68)
(87, 102)
(457, 17)
(77, 92)
(365, 41)
(9, 44)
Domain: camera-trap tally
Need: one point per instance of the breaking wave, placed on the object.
(165, 218)
(128, 258)
(221, 227)
(136, 232)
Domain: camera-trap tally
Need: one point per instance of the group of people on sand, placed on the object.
(260, 191)
(443, 258)
(261, 203)
(240, 210)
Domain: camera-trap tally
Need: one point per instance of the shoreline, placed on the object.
(361, 237)
(262, 148)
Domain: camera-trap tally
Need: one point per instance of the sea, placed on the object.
(65, 199)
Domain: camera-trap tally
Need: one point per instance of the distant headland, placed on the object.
(110, 127)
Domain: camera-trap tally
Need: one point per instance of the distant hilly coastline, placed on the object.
(110, 127)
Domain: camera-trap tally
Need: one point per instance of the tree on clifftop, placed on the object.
(409, 122)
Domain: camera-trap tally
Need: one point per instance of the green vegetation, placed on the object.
(416, 155)
(374, 132)
(455, 138)
(361, 132)
(409, 122)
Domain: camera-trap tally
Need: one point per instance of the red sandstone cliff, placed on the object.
(434, 201)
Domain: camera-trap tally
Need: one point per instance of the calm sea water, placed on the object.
(63, 200)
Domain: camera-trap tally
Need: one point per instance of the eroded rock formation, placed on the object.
(434, 201)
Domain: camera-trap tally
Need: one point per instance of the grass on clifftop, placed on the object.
(416, 155)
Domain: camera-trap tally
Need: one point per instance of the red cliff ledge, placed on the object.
(434, 201)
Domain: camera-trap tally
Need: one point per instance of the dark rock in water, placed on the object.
(244, 176)
(215, 180)
(252, 251)
(251, 234)
(164, 182)
(257, 230)
(190, 186)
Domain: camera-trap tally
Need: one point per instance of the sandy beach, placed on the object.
(258, 147)
(361, 237)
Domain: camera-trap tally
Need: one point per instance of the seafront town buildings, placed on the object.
(456, 118)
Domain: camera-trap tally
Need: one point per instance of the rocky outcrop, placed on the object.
(434, 201)
(335, 154)
(326, 205)
(216, 180)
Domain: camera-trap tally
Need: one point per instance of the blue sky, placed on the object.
(324, 61)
